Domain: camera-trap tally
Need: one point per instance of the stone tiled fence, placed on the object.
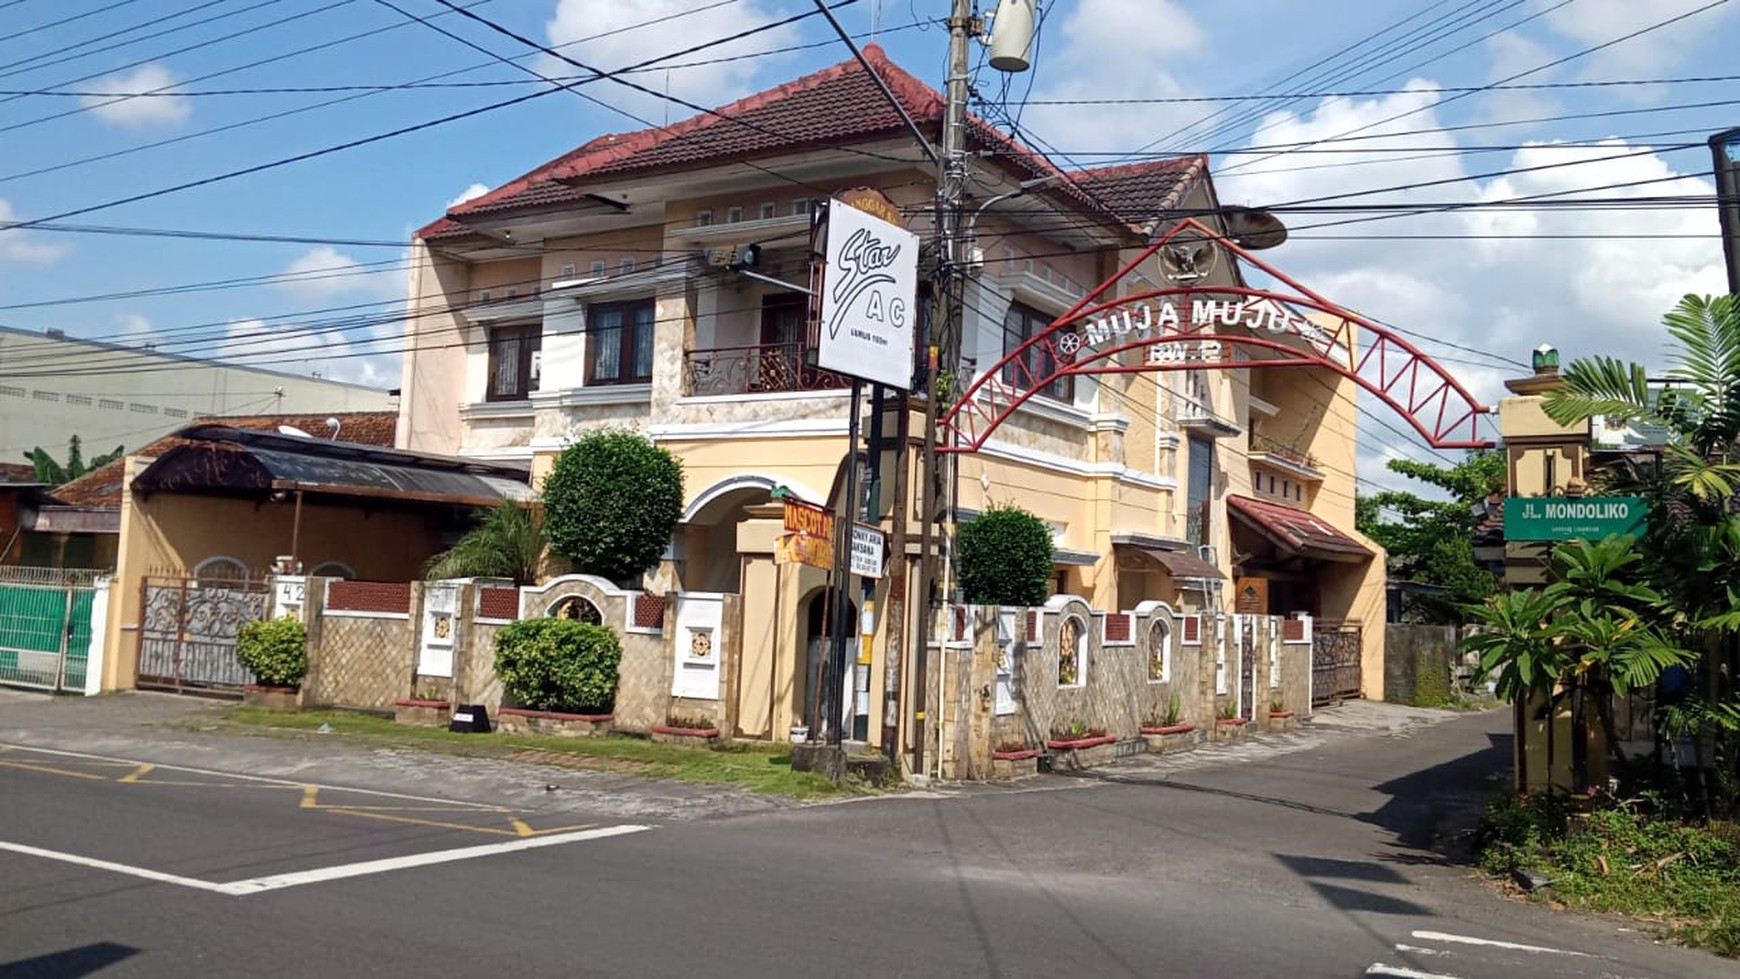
(1010, 677)
(372, 643)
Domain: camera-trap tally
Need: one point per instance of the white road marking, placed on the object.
(1420, 950)
(279, 881)
(246, 778)
(111, 866)
(1399, 972)
(257, 885)
(1439, 936)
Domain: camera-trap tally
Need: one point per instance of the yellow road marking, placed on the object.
(521, 829)
(54, 771)
(133, 776)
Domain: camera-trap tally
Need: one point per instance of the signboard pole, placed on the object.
(1725, 156)
(841, 621)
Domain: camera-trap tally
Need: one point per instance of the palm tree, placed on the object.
(507, 543)
(1691, 548)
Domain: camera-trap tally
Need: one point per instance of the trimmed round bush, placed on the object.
(1005, 558)
(559, 665)
(610, 503)
(274, 650)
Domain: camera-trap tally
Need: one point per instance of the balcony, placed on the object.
(765, 368)
(1277, 455)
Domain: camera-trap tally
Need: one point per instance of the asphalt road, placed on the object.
(1324, 860)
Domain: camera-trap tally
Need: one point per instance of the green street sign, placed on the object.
(1549, 518)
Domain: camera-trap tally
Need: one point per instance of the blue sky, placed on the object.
(1496, 282)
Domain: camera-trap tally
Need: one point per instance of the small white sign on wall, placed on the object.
(440, 620)
(289, 595)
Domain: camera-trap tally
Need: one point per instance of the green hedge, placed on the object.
(610, 503)
(274, 650)
(1005, 558)
(559, 665)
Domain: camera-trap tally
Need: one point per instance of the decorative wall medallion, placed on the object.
(700, 644)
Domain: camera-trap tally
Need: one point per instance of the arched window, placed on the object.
(221, 568)
(1072, 652)
(333, 569)
(577, 608)
(1159, 652)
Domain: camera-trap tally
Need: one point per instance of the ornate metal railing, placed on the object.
(764, 368)
(1263, 443)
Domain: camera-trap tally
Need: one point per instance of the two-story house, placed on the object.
(599, 289)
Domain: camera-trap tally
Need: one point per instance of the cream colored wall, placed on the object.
(436, 344)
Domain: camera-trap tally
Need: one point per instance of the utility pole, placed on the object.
(944, 353)
(1725, 156)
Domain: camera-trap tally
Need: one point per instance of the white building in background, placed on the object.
(53, 387)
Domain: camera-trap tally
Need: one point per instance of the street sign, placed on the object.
(867, 548)
(869, 298)
(1554, 518)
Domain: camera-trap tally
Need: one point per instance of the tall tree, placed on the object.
(1430, 540)
(54, 473)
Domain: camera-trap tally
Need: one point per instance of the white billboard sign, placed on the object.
(868, 299)
(868, 546)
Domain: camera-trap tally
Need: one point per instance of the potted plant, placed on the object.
(1014, 759)
(275, 651)
(425, 708)
(560, 675)
(1280, 718)
(1169, 732)
(1229, 726)
(690, 729)
(1081, 746)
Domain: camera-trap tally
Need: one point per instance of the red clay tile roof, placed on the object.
(101, 487)
(1139, 193)
(838, 105)
(1295, 530)
(17, 472)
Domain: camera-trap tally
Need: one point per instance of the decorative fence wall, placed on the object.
(373, 643)
(1016, 678)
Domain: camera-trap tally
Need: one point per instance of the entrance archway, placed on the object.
(1217, 327)
(814, 642)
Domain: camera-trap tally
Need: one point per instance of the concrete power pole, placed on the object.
(944, 355)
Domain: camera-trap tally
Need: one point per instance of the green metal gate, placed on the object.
(46, 627)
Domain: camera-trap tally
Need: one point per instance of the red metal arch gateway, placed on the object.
(1092, 337)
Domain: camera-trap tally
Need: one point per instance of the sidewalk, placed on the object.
(166, 729)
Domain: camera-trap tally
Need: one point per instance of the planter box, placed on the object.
(423, 713)
(1282, 721)
(518, 720)
(1230, 729)
(272, 698)
(1084, 752)
(699, 737)
(1015, 764)
(1173, 737)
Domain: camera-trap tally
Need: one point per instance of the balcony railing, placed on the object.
(1286, 453)
(764, 368)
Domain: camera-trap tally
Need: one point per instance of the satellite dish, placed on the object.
(1188, 262)
(293, 430)
(1254, 230)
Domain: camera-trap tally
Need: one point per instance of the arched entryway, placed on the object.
(815, 641)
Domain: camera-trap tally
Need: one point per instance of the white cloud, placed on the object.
(1512, 54)
(475, 190)
(135, 328)
(614, 42)
(145, 98)
(323, 272)
(24, 247)
(1501, 280)
(1592, 22)
(340, 356)
(1071, 64)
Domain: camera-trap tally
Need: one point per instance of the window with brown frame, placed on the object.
(513, 351)
(1020, 324)
(621, 341)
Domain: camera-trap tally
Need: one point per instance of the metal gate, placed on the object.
(1335, 662)
(187, 632)
(1247, 640)
(45, 626)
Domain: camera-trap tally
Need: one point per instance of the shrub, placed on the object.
(610, 503)
(559, 664)
(274, 650)
(1005, 558)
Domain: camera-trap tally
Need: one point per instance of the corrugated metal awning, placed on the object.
(254, 470)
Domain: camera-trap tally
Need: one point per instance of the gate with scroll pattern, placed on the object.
(187, 632)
